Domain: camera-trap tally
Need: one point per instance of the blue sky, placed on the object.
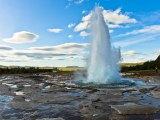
(54, 32)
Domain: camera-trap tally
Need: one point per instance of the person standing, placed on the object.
(156, 69)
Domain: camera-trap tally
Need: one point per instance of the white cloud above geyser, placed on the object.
(22, 37)
(63, 47)
(3, 47)
(114, 17)
(55, 30)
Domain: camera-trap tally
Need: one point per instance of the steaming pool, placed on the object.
(125, 83)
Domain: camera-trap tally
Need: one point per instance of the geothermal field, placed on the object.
(99, 93)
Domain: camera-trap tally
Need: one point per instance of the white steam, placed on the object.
(103, 59)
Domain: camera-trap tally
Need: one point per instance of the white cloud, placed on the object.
(130, 53)
(110, 31)
(63, 47)
(134, 60)
(85, 52)
(147, 29)
(84, 11)
(68, 5)
(157, 53)
(55, 58)
(78, 2)
(22, 37)
(114, 17)
(117, 17)
(81, 26)
(35, 54)
(84, 33)
(113, 26)
(140, 58)
(70, 36)
(55, 30)
(71, 25)
(3, 47)
(76, 57)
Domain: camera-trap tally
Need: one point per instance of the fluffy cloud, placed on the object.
(157, 53)
(114, 17)
(70, 36)
(55, 30)
(13, 60)
(55, 58)
(130, 53)
(147, 29)
(63, 47)
(71, 25)
(22, 37)
(78, 2)
(84, 33)
(113, 26)
(2, 47)
(81, 26)
(31, 54)
(117, 17)
(84, 11)
(110, 31)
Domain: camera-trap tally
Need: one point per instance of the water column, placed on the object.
(103, 58)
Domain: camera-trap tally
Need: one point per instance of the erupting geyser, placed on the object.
(103, 60)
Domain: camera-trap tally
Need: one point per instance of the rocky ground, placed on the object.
(49, 97)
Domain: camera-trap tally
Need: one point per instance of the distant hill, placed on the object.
(131, 64)
(148, 65)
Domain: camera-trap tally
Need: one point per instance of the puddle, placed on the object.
(147, 95)
(43, 89)
(14, 86)
(26, 85)
(126, 94)
(47, 87)
(4, 100)
(150, 102)
(27, 100)
(70, 103)
(75, 94)
(19, 93)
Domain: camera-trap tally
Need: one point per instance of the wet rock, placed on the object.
(23, 105)
(100, 117)
(18, 98)
(8, 93)
(125, 99)
(156, 94)
(53, 98)
(136, 93)
(51, 119)
(132, 108)
(115, 92)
